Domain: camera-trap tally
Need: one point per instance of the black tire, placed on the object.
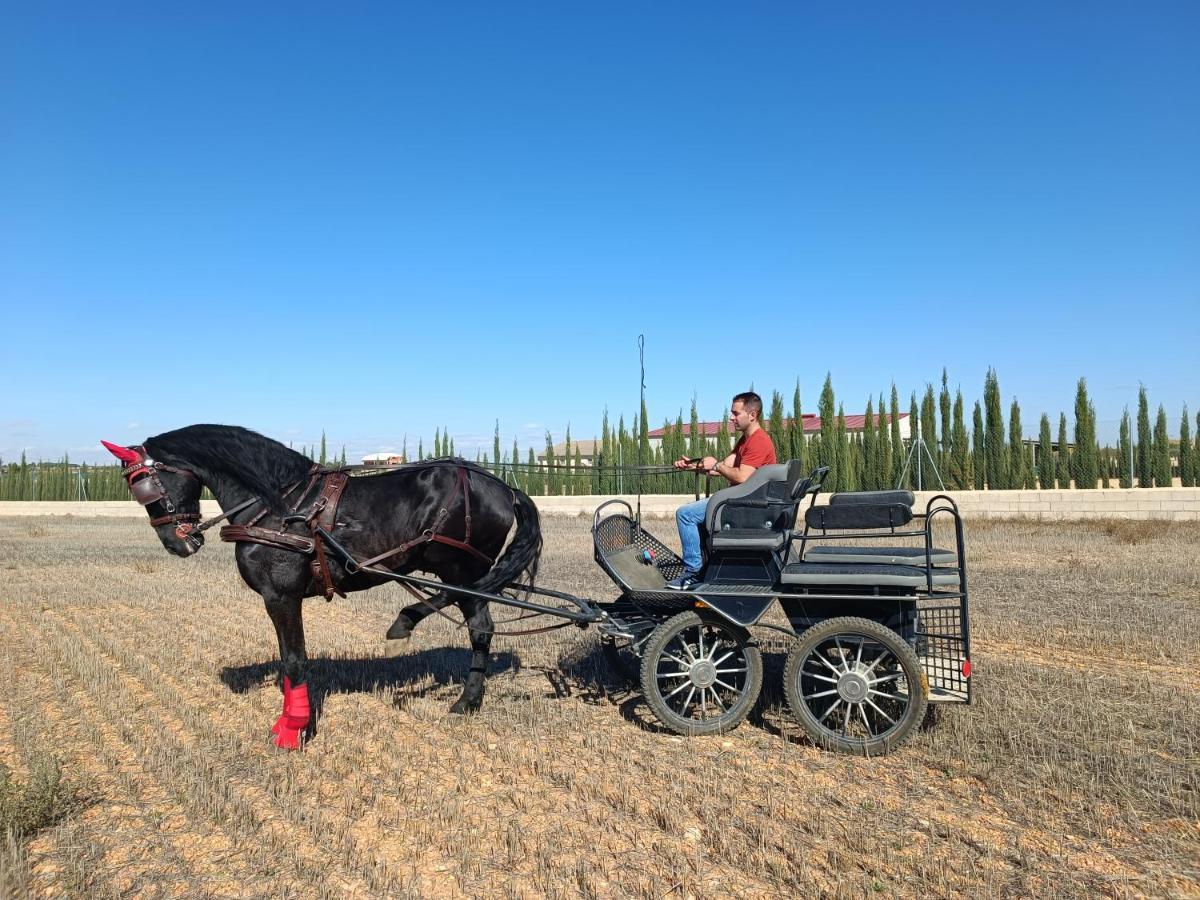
(839, 661)
(700, 675)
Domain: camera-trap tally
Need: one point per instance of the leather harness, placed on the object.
(322, 514)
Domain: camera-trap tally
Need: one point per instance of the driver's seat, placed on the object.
(760, 513)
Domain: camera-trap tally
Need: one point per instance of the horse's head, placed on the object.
(170, 494)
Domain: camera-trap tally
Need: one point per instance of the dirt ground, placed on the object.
(151, 679)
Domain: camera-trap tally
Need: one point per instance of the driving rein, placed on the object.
(321, 515)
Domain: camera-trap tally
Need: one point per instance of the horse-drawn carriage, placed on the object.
(876, 614)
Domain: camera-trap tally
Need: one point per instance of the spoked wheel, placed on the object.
(855, 686)
(700, 675)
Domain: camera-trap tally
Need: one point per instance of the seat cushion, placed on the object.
(903, 556)
(864, 574)
(748, 539)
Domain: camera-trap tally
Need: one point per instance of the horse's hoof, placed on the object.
(401, 629)
(463, 708)
(287, 738)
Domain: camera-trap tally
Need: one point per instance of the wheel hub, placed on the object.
(703, 673)
(852, 687)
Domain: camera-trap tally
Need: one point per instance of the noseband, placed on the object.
(147, 488)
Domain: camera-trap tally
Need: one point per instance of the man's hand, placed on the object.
(684, 463)
(708, 464)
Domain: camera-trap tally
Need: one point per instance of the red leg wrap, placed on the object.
(296, 716)
(287, 699)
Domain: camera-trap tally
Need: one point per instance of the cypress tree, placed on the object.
(776, 426)
(883, 452)
(723, 444)
(1105, 465)
(930, 434)
(496, 450)
(827, 453)
(696, 442)
(568, 482)
(845, 474)
(1125, 450)
(551, 472)
(978, 446)
(960, 453)
(450, 448)
(1196, 452)
(1016, 447)
(324, 457)
(420, 449)
(1086, 469)
(897, 465)
(798, 445)
(437, 442)
(607, 458)
(917, 430)
(947, 426)
(1145, 475)
(535, 481)
(514, 460)
(870, 467)
(1064, 453)
(1162, 451)
(994, 449)
(1045, 463)
(1187, 462)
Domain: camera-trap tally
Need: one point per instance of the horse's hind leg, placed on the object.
(289, 629)
(479, 623)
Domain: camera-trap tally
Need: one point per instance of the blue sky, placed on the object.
(388, 218)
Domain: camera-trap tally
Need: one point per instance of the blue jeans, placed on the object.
(689, 518)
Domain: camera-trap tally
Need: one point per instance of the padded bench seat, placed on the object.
(897, 556)
(864, 575)
(748, 539)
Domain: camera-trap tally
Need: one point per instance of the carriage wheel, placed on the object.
(855, 686)
(700, 675)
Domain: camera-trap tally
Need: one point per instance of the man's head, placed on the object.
(745, 411)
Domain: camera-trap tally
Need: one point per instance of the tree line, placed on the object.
(992, 454)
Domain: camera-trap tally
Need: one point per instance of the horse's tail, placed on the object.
(524, 550)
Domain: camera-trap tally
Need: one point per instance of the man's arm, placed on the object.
(733, 474)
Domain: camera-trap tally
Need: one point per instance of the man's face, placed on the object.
(739, 418)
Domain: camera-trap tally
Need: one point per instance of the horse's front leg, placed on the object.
(479, 623)
(296, 718)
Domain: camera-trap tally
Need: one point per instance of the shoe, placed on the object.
(684, 582)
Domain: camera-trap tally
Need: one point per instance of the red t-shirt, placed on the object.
(754, 450)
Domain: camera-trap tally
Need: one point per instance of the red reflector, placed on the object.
(966, 669)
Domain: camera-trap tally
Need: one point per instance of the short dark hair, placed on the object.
(751, 402)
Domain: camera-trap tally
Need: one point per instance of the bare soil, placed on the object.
(152, 680)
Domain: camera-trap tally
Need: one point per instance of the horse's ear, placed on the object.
(122, 453)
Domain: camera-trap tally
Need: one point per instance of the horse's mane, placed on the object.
(262, 464)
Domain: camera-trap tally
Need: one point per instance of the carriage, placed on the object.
(876, 615)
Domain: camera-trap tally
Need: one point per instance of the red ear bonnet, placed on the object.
(124, 454)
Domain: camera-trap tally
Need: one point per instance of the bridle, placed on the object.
(147, 488)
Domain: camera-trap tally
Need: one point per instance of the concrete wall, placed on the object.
(1176, 504)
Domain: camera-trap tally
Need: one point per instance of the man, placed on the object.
(753, 450)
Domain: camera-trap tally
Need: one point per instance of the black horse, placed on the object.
(445, 517)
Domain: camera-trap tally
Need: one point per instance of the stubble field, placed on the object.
(150, 680)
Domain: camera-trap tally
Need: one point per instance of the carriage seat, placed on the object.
(759, 513)
(870, 510)
(811, 574)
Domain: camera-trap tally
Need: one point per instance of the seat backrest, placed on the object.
(754, 490)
